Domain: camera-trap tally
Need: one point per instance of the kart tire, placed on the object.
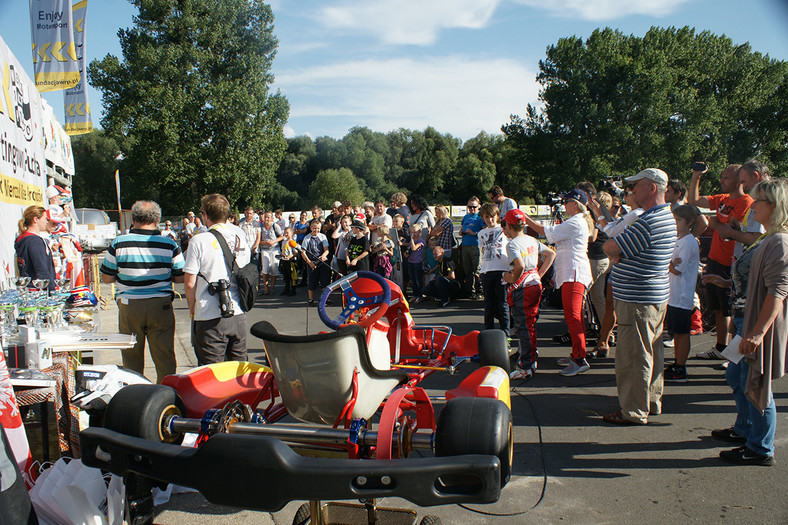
(494, 349)
(303, 515)
(430, 519)
(476, 425)
(139, 411)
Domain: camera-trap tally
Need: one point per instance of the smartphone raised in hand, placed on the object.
(699, 166)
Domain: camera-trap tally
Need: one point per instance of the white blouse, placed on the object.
(571, 247)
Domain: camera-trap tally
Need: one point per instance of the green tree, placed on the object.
(95, 165)
(335, 185)
(191, 100)
(615, 104)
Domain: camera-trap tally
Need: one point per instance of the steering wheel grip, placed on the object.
(354, 300)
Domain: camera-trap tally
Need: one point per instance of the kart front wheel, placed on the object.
(476, 425)
(493, 349)
(142, 410)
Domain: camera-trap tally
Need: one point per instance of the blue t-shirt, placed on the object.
(471, 221)
(641, 276)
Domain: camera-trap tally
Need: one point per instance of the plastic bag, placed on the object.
(70, 492)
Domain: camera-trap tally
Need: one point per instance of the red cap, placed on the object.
(514, 216)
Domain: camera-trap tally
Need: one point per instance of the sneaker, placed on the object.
(574, 368)
(711, 353)
(744, 456)
(676, 374)
(668, 343)
(563, 361)
(562, 339)
(284, 292)
(329, 302)
(445, 303)
(728, 435)
(519, 373)
(311, 302)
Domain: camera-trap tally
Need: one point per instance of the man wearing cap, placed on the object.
(144, 263)
(731, 204)
(641, 256)
(504, 203)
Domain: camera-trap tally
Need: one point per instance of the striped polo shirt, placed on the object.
(641, 276)
(144, 263)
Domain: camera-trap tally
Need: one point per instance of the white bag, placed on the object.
(69, 493)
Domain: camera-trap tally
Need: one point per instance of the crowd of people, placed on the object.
(626, 258)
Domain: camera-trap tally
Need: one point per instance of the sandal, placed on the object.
(617, 418)
(598, 352)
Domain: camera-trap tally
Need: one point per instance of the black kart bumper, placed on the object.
(263, 473)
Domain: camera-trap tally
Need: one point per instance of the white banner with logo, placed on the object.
(75, 100)
(54, 54)
(22, 161)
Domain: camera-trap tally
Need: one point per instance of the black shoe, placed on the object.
(311, 302)
(562, 339)
(745, 456)
(329, 302)
(728, 435)
(284, 292)
(292, 292)
(676, 374)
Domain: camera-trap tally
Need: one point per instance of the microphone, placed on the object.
(294, 245)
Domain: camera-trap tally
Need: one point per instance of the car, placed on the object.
(94, 229)
(360, 414)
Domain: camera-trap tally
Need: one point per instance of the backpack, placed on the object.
(247, 278)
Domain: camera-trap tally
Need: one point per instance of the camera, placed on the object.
(554, 199)
(222, 289)
(612, 187)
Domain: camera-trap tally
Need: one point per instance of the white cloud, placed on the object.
(605, 9)
(289, 132)
(454, 94)
(415, 22)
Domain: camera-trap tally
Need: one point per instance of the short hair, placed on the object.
(754, 165)
(249, 208)
(688, 212)
(289, 229)
(678, 187)
(398, 216)
(315, 221)
(145, 212)
(436, 249)
(775, 191)
(516, 227)
(605, 198)
(399, 198)
(495, 191)
(474, 198)
(586, 187)
(216, 207)
(489, 209)
(347, 204)
(380, 201)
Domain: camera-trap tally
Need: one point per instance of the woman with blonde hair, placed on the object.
(572, 272)
(33, 256)
(443, 231)
(763, 330)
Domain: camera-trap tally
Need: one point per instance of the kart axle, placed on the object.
(300, 434)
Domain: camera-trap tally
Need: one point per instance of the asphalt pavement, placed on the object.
(569, 466)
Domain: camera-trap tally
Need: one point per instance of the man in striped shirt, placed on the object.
(144, 263)
(640, 257)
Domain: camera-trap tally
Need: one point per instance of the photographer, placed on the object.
(572, 271)
(211, 292)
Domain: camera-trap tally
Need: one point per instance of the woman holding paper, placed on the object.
(760, 282)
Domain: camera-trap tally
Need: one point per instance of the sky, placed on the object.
(460, 66)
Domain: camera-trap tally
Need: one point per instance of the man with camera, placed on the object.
(219, 323)
(143, 263)
(731, 206)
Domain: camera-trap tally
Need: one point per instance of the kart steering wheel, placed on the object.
(364, 307)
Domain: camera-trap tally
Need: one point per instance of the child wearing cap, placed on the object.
(528, 261)
(357, 258)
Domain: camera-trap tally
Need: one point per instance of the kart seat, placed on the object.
(314, 373)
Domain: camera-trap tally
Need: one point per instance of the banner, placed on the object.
(75, 100)
(22, 161)
(54, 54)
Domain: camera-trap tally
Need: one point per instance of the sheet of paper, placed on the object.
(731, 352)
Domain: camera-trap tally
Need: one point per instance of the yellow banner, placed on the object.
(56, 81)
(14, 191)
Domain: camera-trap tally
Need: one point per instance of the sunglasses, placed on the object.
(472, 207)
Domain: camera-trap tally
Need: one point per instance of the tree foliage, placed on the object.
(95, 165)
(190, 101)
(615, 104)
(335, 185)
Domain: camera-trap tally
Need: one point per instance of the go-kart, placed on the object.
(360, 416)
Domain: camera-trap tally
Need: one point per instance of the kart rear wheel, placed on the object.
(141, 410)
(476, 425)
(493, 349)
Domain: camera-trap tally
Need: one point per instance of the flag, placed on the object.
(54, 54)
(75, 100)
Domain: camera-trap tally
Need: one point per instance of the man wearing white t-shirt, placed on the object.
(215, 338)
(380, 218)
